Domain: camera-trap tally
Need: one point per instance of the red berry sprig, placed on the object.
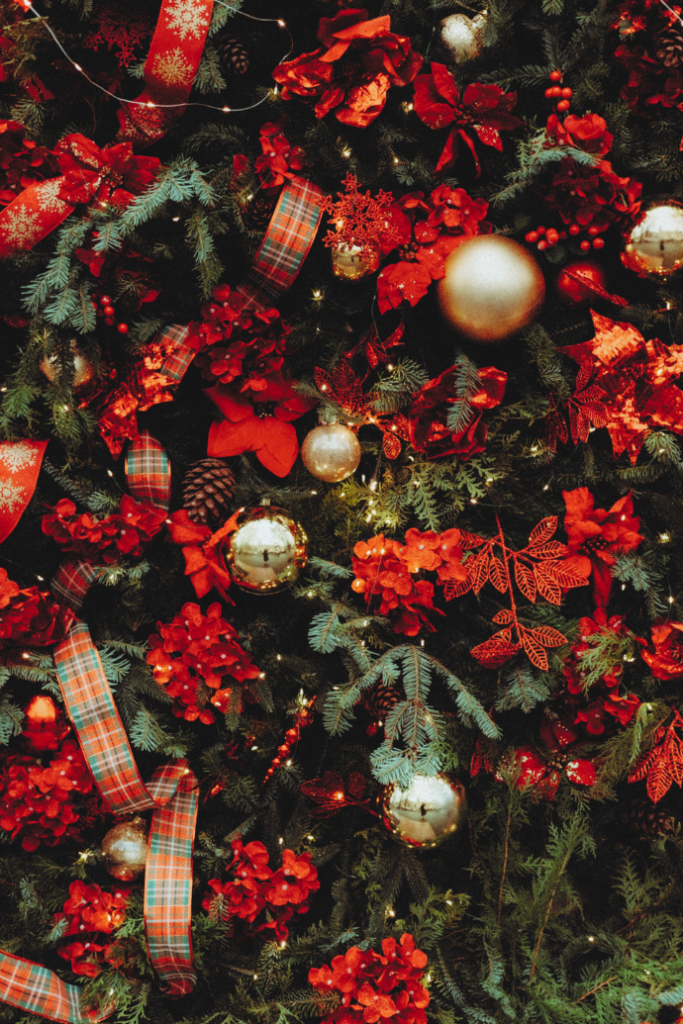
(302, 718)
(104, 307)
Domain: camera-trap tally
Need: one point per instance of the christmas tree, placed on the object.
(341, 489)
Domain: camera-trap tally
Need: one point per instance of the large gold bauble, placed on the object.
(83, 370)
(462, 36)
(331, 452)
(491, 289)
(653, 242)
(423, 815)
(124, 850)
(353, 262)
(267, 551)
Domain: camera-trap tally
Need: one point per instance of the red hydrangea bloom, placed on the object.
(600, 534)
(8, 589)
(22, 161)
(255, 888)
(31, 616)
(667, 660)
(255, 340)
(425, 230)
(110, 175)
(196, 654)
(590, 196)
(38, 802)
(433, 407)
(374, 986)
(482, 112)
(123, 533)
(352, 71)
(279, 158)
(649, 82)
(248, 426)
(91, 913)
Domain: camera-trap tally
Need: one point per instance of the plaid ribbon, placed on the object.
(39, 991)
(288, 240)
(148, 470)
(172, 792)
(72, 582)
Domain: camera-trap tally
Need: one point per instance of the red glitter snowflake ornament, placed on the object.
(360, 219)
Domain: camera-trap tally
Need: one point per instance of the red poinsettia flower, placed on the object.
(667, 660)
(600, 534)
(22, 161)
(248, 426)
(434, 407)
(425, 230)
(110, 175)
(8, 589)
(279, 158)
(484, 110)
(353, 70)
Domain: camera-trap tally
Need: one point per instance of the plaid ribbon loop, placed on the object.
(148, 470)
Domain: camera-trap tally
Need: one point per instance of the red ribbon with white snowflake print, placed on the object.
(35, 212)
(19, 467)
(170, 68)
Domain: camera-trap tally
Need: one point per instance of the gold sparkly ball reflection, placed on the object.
(653, 242)
(491, 289)
(267, 551)
(124, 850)
(352, 262)
(424, 814)
(331, 452)
(82, 367)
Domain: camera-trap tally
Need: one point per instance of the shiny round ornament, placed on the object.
(124, 850)
(267, 551)
(83, 369)
(463, 37)
(331, 452)
(424, 814)
(653, 242)
(351, 262)
(492, 288)
(574, 283)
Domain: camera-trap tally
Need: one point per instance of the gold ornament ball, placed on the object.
(463, 37)
(491, 289)
(124, 850)
(267, 551)
(83, 370)
(653, 242)
(352, 262)
(424, 814)
(331, 452)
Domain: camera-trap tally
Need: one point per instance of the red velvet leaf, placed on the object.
(496, 651)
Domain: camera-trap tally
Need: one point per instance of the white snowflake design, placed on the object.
(21, 226)
(17, 456)
(173, 68)
(187, 18)
(48, 195)
(11, 496)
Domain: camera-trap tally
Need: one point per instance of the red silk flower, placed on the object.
(483, 111)
(201, 549)
(246, 429)
(22, 161)
(600, 534)
(352, 71)
(110, 175)
(433, 405)
(92, 913)
(667, 660)
(279, 159)
(31, 616)
(123, 533)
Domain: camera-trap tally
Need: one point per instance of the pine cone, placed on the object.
(381, 700)
(669, 46)
(232, 56)
(207, 491)
(257, 211)
(647, 818)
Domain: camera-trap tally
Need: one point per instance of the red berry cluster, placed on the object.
(123, 533)
(557, 92)
(105, 308)
(199, 661)
(302, 718)
(375, 986)
(255, 889)
(91, 913)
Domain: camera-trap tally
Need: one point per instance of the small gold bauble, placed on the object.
(83, 370)
(267, 551)
(124, 850)
(653, 242)
(331, 452)
(423, 815)
(462, 36)
(491, 289)
(353, 261)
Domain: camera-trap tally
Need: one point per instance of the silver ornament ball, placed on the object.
(83, 370)
(429, 810)
(331, 452)
(463, 37)
(267, 551)
(653, 242)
